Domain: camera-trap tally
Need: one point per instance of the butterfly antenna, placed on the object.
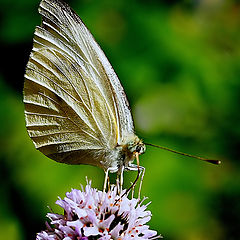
(217, 162)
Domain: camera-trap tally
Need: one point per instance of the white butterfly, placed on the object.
(75, 107)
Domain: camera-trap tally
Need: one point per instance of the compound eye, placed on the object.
(139, 149)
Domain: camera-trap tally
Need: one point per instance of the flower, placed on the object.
(93, 214)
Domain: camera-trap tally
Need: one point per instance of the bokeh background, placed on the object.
(179, 62)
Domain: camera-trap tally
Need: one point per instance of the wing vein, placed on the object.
(57, 76)
(51, 40)
(45, 114)
(34, 80)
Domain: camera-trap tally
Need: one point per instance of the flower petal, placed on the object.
(91, 231)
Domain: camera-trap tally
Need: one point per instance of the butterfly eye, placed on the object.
(140, 149)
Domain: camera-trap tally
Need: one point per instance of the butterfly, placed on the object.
(76, 110)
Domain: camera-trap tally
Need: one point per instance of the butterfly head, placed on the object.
(136, 145)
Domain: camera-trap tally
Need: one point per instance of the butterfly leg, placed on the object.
(108, 183)
(121, 179)
(105, 180)
(141, 172)
(141, 181)
(118, 185)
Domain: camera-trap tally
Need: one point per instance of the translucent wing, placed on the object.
(75, 107)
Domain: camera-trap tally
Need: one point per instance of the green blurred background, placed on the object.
(179, 62)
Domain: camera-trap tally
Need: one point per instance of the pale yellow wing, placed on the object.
(75, 107)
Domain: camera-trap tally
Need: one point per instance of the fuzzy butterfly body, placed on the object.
(75, 107)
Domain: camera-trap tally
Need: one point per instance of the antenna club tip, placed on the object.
(217, 162)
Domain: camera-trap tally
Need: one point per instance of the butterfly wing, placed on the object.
(75, 107)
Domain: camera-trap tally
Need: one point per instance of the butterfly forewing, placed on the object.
(75, 106)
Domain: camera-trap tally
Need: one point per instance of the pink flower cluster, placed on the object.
(92, 214)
